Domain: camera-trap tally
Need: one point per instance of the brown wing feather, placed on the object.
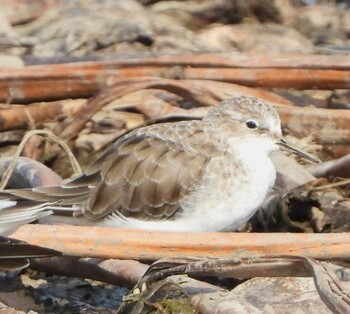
(14, 254)
(142, 175)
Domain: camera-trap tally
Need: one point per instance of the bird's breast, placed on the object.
(231, 192)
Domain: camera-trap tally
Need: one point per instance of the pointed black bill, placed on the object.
(296, 151)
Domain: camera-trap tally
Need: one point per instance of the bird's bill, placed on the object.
(296, 151)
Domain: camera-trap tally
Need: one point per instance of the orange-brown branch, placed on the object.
(47, 82)
(153, 245)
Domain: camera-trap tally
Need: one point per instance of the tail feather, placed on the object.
(43, 195)
(17, 202)
(13, 217)
(14, 254)
(13, 264)
(62, 192)
(19, 206)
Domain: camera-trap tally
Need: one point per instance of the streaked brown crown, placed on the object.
(247, 108)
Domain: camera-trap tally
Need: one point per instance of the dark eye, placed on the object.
(251, 124)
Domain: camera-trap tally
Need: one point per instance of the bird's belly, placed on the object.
(229, 201)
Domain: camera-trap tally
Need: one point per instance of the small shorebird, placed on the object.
(199, 175)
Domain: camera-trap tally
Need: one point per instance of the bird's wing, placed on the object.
(147, 173)
(13, 215)
(14, 254)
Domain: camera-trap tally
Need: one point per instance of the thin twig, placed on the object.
(49, 135)
(331, 185)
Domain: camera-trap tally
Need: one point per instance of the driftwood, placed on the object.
(316, 62)
(125, 273)
(332, 168)
(153, 245)
(84, 79)
(332, 288)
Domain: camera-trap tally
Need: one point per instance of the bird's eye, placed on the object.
(251, 124)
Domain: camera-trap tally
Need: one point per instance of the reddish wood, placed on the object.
(153, 245)
(47, 82)
(222, 60)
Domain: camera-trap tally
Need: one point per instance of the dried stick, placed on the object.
(153, 245)
(219, 60)
(85, 79)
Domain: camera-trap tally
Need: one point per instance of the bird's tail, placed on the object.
(15, 254)
(13, 215)
(55, 204)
